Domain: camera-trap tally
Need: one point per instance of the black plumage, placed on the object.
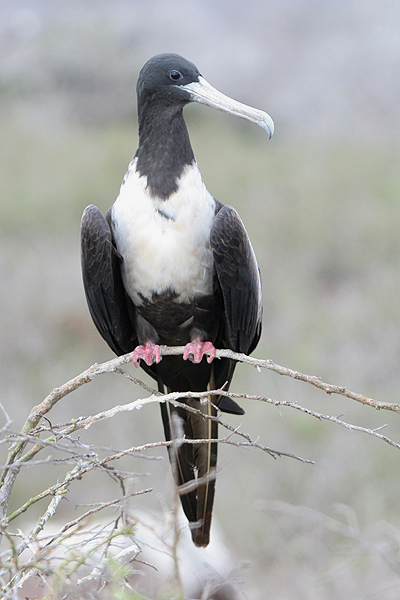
(218, 305)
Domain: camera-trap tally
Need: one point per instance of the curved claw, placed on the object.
(150, 353)
(195, 351)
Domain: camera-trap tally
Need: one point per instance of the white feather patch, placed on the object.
(165, 244)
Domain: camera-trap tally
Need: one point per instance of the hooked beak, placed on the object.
(201, 91)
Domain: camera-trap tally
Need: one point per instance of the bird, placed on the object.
(171, 265)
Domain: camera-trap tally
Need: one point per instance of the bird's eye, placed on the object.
(175, 75)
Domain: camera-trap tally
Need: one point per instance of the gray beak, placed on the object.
(201, 91)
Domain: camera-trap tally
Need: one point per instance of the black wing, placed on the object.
(239, 279)
(105, 293)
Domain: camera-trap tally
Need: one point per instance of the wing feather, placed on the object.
(105, 294)
(239, 279)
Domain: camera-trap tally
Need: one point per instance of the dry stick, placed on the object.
(311, 379)
(91, 464)
(174, 397)
(66, 531)
(59, 489)
(10, 472)
(69, 529)
(77, 522)
(317, 415)
(115, 364)
(88, 421)
(58, 492)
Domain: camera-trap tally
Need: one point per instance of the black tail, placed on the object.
(194, 464)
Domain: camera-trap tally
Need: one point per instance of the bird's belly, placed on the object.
(158, 261)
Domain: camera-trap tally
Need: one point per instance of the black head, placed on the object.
(162, 77)
(166, 83)
(164, 145)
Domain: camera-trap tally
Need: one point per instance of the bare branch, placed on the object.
(114, 366)
(30, 428)
(38, 434)
(311, 379)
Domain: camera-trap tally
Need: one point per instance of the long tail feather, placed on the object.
(205, 462)
(181, 458)
(194, 463)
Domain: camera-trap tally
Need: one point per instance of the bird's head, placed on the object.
(172, 81)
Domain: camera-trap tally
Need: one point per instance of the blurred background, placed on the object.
(321, 205)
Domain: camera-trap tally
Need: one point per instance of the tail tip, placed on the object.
(200, 537)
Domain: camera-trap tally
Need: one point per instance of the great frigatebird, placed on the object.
(170, 264)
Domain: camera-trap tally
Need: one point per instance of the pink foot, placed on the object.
(195, 351)
(150, 353)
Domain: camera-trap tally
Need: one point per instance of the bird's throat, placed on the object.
(164, 150)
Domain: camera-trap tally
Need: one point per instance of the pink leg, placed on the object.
(150, 353)
(195, 351)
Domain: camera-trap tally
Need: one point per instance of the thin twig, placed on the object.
(311, 379)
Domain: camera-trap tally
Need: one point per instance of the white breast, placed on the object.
(165, 244)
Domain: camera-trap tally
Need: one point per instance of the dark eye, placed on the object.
(175, 75)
